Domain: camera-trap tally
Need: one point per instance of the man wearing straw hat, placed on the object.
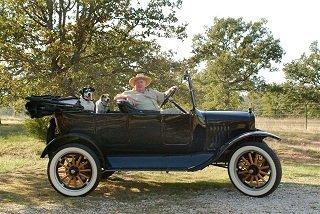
(144, 98)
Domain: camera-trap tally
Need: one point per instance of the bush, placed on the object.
(38, 127)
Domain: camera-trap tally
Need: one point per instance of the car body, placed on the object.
(83, 146)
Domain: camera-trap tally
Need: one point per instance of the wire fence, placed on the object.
(288, 124)
(302, 119)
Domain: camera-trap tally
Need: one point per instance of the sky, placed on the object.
(295, 22)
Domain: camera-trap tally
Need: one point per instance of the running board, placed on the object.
(157, 162)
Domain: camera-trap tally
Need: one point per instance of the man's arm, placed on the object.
(170, 90)
(123, 96)
(161, 95)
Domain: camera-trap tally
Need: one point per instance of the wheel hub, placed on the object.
(74, 171)
(253, 170)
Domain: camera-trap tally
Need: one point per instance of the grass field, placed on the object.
(289, 124)
(23, 179)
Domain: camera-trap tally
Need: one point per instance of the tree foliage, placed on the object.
(234, 52)
(57, 46)
(304, 75)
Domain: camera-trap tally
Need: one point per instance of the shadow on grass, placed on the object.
(123, 188)
(35, 189)
(8, 130)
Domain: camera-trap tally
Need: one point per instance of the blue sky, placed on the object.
(295, 23)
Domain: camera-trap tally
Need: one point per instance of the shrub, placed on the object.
(38, 127)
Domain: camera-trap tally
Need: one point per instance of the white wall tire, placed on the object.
(259, 174)
(74, 170)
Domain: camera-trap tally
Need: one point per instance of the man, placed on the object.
(144, 98)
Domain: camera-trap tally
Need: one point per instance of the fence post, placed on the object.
(306, 108)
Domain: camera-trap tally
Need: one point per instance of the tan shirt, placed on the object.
(149, 100)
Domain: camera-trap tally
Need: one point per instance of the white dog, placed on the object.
(102, 104)
(86, 98)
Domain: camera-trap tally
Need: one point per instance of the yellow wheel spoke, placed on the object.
(251, 180)
(80, 180)
(262, 162)
(85, 170)
(62, 170)
(264, 167)
(73, 182)
(242, 172)
(68, 184)
(264, 181)
(262, 172)
(246, 177)
(78, 161)
(250, 158)
(86, 177)
(72, 162)
(64, 177)
(256, 159)
(81, 166)
(68, 162)
(246, 161)
(257, 180)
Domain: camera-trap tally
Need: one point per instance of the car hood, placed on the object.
(211, 116)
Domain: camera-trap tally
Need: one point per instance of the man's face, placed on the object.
(140, 85)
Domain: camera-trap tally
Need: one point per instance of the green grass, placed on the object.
(23, 179)
(17, 149)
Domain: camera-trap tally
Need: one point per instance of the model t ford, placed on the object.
(84, 146)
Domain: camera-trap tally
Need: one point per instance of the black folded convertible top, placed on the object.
(40, 106)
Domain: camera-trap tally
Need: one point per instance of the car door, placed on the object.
(144, 134)
(112, 131)
(177, 132)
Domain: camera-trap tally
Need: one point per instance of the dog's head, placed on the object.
(87, 92)
(105, 98)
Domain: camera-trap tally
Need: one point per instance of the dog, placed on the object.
(102, 104)
(86, 98)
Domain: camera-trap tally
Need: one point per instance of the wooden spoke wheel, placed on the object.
(74, 170)
(255, 169)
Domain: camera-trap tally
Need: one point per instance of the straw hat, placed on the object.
(140, 76)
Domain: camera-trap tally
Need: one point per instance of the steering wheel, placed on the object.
(166, 99)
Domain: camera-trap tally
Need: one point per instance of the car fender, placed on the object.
(71, 138)
(248, 135)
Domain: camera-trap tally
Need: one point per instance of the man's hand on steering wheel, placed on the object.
(170, 94)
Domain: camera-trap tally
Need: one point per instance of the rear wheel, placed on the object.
(74, 170)
(254, 169)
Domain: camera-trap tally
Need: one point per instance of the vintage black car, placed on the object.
(84, 146)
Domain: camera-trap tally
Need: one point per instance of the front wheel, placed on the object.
(74, 170)
(254, 169)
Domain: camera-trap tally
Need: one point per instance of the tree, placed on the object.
(57, 46)
(304, 75)
(234, 52)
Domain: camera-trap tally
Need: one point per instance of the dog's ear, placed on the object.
(81, 91)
